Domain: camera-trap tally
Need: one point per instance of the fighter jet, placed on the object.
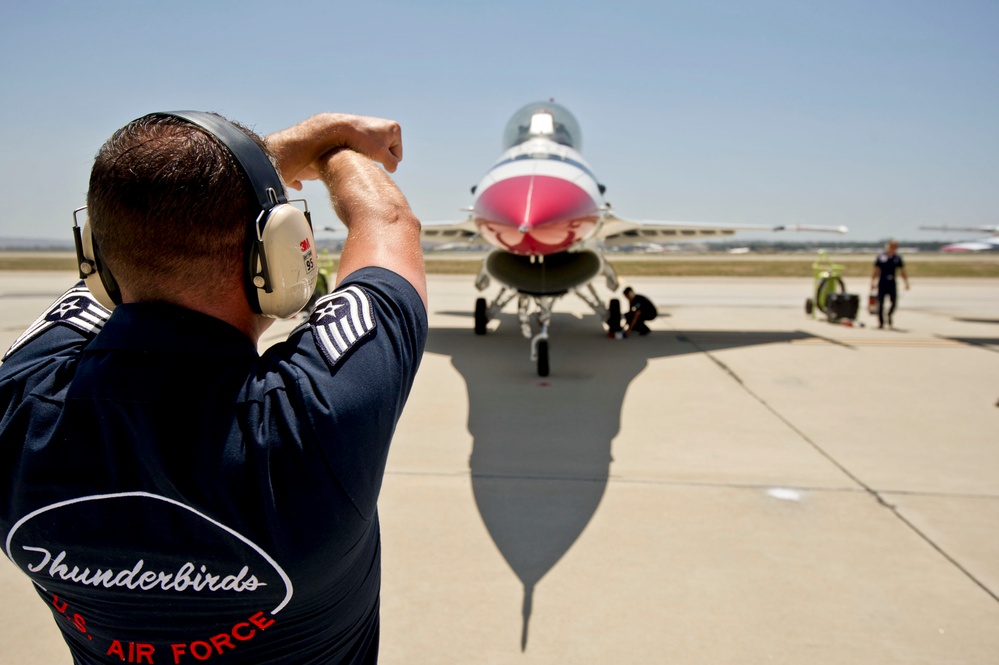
(542, 209)
(989, 244)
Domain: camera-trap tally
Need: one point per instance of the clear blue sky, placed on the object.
(881, 115)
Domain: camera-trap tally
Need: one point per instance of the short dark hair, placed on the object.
(628, 290)
(169, 207)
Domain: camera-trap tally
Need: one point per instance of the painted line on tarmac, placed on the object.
(742, 338)
(915, 343)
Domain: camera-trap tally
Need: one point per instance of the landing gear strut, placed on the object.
(539, 342)
(540, 318)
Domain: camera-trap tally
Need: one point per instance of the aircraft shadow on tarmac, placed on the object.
(990, 343)
(542, 446)
(984, 342)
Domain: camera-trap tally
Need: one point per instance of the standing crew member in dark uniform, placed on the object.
(885, 266)
(175, 496)
(640, 310)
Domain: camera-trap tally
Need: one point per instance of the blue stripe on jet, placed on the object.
(579, 165)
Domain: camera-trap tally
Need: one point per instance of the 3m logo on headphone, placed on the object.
(281, 268)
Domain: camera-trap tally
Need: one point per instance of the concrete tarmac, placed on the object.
(747, 484)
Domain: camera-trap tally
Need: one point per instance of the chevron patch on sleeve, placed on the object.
(340, 320)
(76, 308)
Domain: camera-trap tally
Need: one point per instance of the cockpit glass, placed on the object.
(542, 120)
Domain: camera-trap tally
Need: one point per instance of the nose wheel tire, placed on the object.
(543, 357)
(481, 319)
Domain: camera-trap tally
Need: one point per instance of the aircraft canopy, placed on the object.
(542, 120)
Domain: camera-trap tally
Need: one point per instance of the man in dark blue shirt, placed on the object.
(640, 310)
(175, 496)
(885, 266)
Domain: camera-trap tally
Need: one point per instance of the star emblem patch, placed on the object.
(76, 308)
(340, 320)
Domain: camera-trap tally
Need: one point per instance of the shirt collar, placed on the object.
(149, 326)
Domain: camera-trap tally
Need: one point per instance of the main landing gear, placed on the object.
(614, 317)
(540, 318)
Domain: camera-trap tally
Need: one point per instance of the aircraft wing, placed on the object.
(618, 231)
(976, 229)
(449, 232)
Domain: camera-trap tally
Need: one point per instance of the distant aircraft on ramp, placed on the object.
(989, 244)
(542, 209)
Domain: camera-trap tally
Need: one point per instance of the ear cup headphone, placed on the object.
(93, 271)
(280, 265)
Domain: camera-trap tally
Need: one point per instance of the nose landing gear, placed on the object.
(540, 318)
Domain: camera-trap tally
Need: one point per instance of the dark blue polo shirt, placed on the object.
(887, 264)
(178, 498)
(640, 303)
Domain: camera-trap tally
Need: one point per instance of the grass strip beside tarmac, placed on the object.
(706, 265)
(781, 265)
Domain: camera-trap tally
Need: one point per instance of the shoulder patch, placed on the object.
(340, 320)
(77, 308)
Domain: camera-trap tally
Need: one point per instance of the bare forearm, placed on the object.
(298, 149)
(359, 190)
(301, 144)
(338, 149)
(381, 228)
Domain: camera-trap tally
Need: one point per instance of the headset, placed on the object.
(281, 268)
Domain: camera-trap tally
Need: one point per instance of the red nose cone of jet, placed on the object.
(535, 214)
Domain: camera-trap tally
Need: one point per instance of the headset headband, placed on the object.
(279, 263)
(256, 164)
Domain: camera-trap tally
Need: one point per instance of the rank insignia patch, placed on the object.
(340, 320)
(76, 308)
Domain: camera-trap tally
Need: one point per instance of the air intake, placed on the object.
(553, 275)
